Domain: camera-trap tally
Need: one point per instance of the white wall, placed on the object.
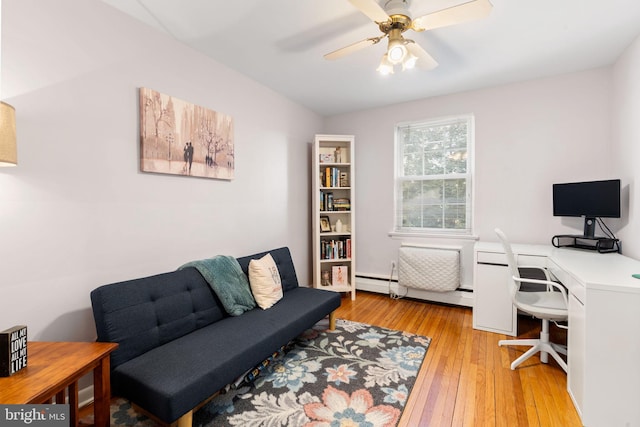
(76, 213)
(528, 136)
(626, 139)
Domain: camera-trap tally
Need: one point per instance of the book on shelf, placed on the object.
(329, 203)
(341, 204)
(334, 177)
(335, 249)
(326, 201)
(344, 179)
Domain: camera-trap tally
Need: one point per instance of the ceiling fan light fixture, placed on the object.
(386, 67)
(394, 18)
(396, 51)
(409, 62)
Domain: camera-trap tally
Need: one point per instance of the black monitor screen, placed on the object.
(588, 199)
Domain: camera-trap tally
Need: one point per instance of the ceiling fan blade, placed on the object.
(372, 9)
(469, 11)
(425, 61)
(352, 48)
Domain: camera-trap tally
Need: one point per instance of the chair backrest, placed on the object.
(511, 260)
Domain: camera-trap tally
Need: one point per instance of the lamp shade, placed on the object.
(396, 51)
(385, 67)
(8, 148)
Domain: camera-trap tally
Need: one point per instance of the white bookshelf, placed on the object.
(333, 213)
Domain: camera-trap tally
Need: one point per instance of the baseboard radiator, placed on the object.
(423, 272)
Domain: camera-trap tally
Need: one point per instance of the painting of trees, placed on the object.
(181, 138)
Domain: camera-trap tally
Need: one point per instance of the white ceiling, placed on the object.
(281, 44)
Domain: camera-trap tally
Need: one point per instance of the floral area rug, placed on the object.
(357, 375)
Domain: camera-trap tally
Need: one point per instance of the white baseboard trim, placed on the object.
(85, 396)
(381, 285)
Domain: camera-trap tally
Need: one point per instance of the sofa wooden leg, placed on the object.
(186, 420)
(332, 320)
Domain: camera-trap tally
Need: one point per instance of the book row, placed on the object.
(335, 249)
(334, 177)
(329, 203)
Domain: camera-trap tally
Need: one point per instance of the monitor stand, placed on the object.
(600, 244)
(589, 227)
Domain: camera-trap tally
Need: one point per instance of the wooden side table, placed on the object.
(54, 368)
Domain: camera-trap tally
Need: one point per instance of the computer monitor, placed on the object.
(591, 199)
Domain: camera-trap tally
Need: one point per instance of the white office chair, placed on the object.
(547, 305)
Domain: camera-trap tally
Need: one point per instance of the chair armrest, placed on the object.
(550, 285)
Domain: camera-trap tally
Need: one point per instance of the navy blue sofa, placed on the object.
(177, 344)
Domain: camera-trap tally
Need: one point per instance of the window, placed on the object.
(433, 176)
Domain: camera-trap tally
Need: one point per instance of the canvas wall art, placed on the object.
(180, 138)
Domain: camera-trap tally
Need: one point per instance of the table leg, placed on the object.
(102, 393)
(74, 411)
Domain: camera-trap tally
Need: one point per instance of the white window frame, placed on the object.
(399, 178)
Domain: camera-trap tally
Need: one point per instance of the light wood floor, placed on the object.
(465, 379)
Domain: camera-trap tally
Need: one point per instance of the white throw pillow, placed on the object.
(264, 279)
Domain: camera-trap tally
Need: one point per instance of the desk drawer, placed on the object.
(495, 258)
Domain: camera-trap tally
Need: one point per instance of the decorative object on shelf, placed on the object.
(339, 226)
(340, 275)
(325, 224)
(326, 158)
(326, 278)
(180, 138)
(13, 350)
(338, 155)
(8, 144)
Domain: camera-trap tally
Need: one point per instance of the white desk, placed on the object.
(603, 379)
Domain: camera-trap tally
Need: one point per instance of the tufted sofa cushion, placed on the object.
(145, 313)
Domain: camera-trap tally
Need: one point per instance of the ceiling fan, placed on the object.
(394, 19)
